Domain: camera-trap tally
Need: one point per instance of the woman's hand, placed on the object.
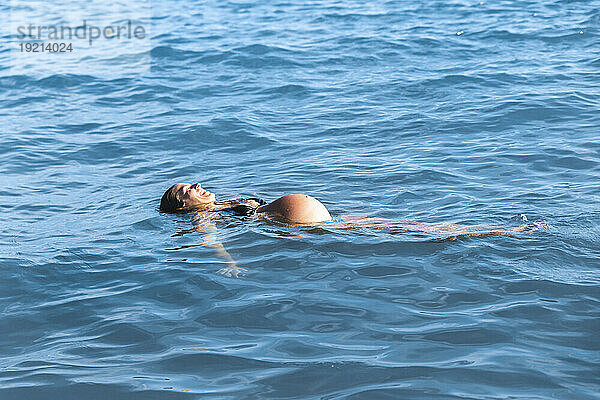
(232, 270)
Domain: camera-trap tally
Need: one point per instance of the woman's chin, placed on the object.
(202, 203)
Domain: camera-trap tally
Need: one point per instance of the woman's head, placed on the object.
(184, 197)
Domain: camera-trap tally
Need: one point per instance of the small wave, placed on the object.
(289, 90)
(261, 49)
(169, 52)
(263, 62)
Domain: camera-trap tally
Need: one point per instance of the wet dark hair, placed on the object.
(170, 202)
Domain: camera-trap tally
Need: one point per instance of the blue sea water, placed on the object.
(439, 111)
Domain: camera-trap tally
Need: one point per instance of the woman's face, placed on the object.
(193, 195)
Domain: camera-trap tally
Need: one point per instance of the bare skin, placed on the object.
(194, 195)
(304, 210)
(296, 208)
(358, 222)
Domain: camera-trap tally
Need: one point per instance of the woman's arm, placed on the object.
(208, 229)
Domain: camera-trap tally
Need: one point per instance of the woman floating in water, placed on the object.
(300, 210)
(294, 208)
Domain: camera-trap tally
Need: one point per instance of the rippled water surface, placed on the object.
(461, 111)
